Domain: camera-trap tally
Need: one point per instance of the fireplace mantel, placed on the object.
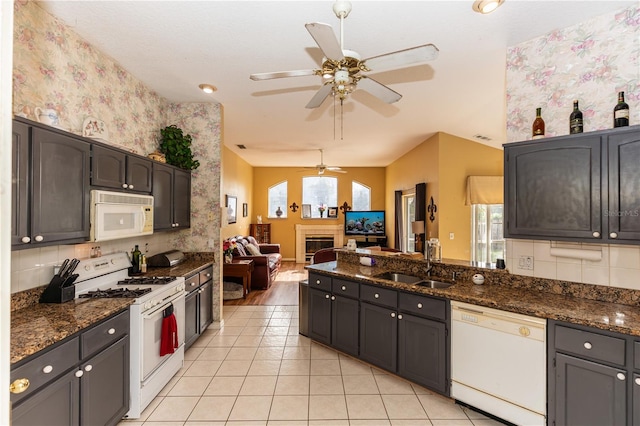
(337, 231)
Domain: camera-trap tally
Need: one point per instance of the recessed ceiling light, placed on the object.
(207, 88)
(486, 6)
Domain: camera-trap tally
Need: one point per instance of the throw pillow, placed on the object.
(252, 240)
(253, 249)
(240, 249)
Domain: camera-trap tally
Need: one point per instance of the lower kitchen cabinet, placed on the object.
(65, 391)
(320, 315)
(422, 352)
(378, 336)
(344, 324)
(198, 305)
(593, 376)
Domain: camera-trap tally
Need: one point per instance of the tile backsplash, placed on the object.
(619, 265)
(34, 267)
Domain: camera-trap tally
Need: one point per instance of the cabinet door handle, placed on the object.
(177, 224)
(19, 386)
(621, 376)
(419, 305)
(192, 284)
(25, 239)
(344, 288)
(111, 331)
(333, 298)
(377, 296)
(125, 186)
(130, 186)
(637, 380)
(318, 282)
(326, 296)
(613, 235)
(79, 373)
(393, 314)
(596, 234)
(208, 275)
(588, 345)
(39, 238)
(399, 316)
(47, 369)
(88, 367)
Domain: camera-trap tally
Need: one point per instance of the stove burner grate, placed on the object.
(115, 292)
(146, 280)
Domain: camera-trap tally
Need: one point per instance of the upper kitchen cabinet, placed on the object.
(575, 188)
(116, 169)
(51, 183)
(171, 197)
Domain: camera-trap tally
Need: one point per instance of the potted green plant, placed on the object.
(177, 148)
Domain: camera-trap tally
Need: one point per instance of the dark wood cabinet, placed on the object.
(261, 232)
(345, 324)
(378, 335)
(320, 315)
(56, 207)
(422, 352)
(85, 381)
(115, 169)
(575, 188)
(593, 376)
(171, 198)
(198, 305)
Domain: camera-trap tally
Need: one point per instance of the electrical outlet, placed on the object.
(451, 235)
(525, 262)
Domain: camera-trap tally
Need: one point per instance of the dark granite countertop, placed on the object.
(605, 315)
(39, 325)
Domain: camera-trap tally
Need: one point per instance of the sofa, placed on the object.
(266, 260)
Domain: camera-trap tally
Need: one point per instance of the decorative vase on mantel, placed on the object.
(279, 212)
(321, 213)
(228, 258)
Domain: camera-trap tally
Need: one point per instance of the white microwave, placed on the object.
(117, 215)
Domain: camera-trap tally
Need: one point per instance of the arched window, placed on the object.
(278, 199)
(320, 191)
(360, 196)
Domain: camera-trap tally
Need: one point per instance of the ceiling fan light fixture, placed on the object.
(486, 6)
(207, 88)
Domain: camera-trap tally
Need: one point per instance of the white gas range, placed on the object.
(108, 276)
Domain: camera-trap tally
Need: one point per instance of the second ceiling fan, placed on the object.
(343, 71)
(321, 168)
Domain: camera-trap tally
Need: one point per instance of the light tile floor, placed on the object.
(257, 370)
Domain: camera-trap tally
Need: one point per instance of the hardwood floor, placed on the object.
(283, 291)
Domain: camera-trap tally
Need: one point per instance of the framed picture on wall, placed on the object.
(332, 212)
(306, 211)
(232, 208)
(245, 210)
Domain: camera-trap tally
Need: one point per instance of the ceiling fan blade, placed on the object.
(319, 97)
(333, 168)
(326, 39)
(402, 58)
(281, 74)
(379, 90)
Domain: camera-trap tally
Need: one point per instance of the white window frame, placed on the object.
(353, 197)
(484, 255)
(271, 213)
(307, 198)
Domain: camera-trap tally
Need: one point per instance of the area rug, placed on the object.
(231, 290)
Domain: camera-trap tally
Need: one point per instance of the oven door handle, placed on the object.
(163, 307)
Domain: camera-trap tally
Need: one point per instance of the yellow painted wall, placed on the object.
(237, 179)
(283, 229)
(444, 161)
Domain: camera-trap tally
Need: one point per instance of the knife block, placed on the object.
(55, 293)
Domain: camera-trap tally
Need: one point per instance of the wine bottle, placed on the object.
(576, 124)
(538, 125)
(621, 112)
(135, 260)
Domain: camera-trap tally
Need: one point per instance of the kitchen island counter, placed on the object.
(529, 297)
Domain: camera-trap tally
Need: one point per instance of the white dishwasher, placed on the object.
(498, 362)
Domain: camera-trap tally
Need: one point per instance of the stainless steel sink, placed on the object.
(399, 277)
(434, 284)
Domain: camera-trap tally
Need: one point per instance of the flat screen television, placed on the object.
(369, 222)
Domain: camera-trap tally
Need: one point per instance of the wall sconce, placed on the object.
(294, 207)
(345, 207)
(432, 209)
(417, 228)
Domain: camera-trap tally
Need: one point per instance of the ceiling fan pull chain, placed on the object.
(341, 120)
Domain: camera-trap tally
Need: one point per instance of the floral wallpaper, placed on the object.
(591, 62)
(54, 68)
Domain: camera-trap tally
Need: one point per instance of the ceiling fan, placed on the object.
(343, 71)
(321, 168)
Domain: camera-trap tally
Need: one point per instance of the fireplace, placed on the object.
(332, 233)
(313, 243)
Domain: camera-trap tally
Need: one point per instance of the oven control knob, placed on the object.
(147, 305)
(87, 267)
(113, 261)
